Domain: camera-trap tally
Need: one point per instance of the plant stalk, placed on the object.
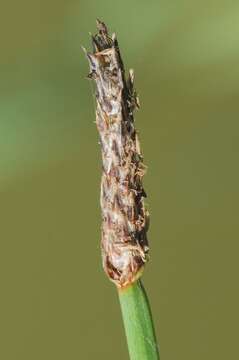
(138, 323)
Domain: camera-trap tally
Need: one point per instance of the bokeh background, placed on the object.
(55, 300)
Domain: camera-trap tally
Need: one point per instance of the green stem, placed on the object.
(138, 323)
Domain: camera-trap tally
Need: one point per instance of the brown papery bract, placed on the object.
(124, 218)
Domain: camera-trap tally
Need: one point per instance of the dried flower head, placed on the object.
(124, 242)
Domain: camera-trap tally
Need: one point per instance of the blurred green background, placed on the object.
(56, 302)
